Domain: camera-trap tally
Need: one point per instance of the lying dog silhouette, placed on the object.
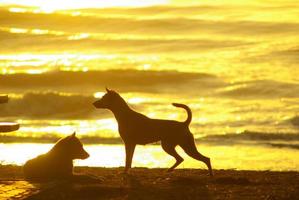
(58, 162)
(136, 128)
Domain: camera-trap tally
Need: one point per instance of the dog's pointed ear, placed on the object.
(108, 90)
(74, 134)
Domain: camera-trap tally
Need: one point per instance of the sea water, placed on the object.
(235, 64)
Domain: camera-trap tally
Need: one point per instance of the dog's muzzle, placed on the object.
(85, 155)
(97, 104)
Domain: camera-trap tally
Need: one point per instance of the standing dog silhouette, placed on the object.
(58, 162)
(136, 128)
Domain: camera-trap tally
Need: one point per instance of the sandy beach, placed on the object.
(143, 183)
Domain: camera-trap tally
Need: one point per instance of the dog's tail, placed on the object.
(188, 120)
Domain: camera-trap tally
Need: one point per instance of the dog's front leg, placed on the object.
(129, 155)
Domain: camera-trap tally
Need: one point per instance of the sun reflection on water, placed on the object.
(18, 10)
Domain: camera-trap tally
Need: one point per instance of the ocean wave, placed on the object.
(121, 80)
(49, 105)
(262, 138)
(274, 140)
(261, 89)
(288, 57)
(294, 120)
(53, 139)
(146, 81)
(141, 30)
(283, 145)
(170, 25)
(69, 95)
(111, 43)
(253, 136)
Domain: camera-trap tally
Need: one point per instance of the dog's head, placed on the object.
(108, 100)
(70, 147)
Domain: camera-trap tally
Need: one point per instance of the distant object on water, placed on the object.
(7, 126)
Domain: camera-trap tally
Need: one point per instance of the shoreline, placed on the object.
(238, 157)
(145, 183)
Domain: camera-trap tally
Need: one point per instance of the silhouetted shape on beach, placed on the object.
(58, 162)
(135, 128)
(7, 126)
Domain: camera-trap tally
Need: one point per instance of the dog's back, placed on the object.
(58, 162)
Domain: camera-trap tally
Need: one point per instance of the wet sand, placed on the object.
(143, 183)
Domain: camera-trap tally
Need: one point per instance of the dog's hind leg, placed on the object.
(129, 155)
(170, 149)
(190, 148)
